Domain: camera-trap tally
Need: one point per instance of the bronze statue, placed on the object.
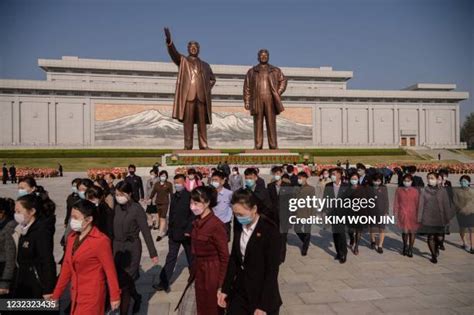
(263, 87)
(192, 99)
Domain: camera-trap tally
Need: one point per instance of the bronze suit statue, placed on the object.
(263, 87)
(192, 100)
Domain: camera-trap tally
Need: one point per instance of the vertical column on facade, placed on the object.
(52, 122)
(421, 126)
(396, 127)
(16, 120)
(457, 126)
(315, 112)
(427, 127)
(320, 126)
(370, 124)
(452, 124)
(344, 135)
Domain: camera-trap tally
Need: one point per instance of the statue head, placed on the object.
(263, 56)
(193, 48)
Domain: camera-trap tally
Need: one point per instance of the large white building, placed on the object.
(108, 103)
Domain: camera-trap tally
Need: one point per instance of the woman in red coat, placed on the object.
(210, 250)
(88, 262)
(405, 209)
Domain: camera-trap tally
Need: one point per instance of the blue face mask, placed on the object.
(464, 183)
(82, 194)
(249, 183)
(22, 192)
(354, 182)
(244, 220)
(178, 187)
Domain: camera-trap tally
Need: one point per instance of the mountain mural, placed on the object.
(226, 127)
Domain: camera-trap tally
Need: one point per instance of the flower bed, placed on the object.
(94, 173)
(36, 172)
(455, 168)
(235, 159)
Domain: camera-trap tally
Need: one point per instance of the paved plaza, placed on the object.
(369, 283)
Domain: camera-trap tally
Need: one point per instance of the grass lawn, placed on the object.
(82, 164)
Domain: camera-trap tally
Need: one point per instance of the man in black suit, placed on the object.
(337, 189)
(251, 183)
(4, 173)
(293, 177)
(363, 177)
(136, 183)
(280, 192)
(251, 282)
(179, 230)
(13, 173)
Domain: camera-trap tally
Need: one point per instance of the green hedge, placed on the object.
(95, 153)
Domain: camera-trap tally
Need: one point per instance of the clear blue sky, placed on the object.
(389, 44)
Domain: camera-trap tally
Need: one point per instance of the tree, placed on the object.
(467, 131)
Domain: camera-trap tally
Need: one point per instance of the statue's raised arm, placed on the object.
(173, 52)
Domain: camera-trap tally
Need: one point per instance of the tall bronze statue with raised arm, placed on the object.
(192, 99)
(263, 87)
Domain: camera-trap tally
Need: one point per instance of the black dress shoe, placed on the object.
(372, 245)
(337, 257)
(342, 260)
(434, 260)
(380, 250)
(410, 252)
(159, 238)
(136, 304)
(304, 251)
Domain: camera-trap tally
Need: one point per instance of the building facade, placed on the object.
(112, 103)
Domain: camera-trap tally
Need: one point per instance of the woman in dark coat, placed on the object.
(210, 251)
(36, 267)
(380, 210)
(7, 245)
(105, 215)
(356, 228)
(251, 282)
(129, 221)
(434, 213)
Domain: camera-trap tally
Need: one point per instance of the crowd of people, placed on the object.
(233, 228)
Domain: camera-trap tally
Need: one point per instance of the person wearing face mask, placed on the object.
(71, 199)
(251, 183)
(26, 186)
(304, 230)
(361, 171)
(36, 276)
(251, 281)
(380, 210)
(405, 210)
(179, 232)
(290, 169)
(104, 220)
(160, 196)
(210, 251)
(88, 264)
(7, 246)
(151, 210)
(109, 178)
(337, 189)
(192, 180)
(279, 192)
(235, 180)
(136, 183)
(357, 192)
(222, 209)
(444, 183)
(435, 212)
(129, 221)
(417, 181)
(464, 204)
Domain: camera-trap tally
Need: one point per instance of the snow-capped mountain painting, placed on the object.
(157, 127)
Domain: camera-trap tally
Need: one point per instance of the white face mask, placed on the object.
(121, 199)
(234, 172)
(76, 225)
(216, 184)
(325, 175)
(333, 178)
(432, 182)
(19, 218)
(407, 183)
(162, 178)
(191, 177)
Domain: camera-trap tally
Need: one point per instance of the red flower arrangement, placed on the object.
(95, 173)
(36, 172)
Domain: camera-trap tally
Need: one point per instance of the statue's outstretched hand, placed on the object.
(168, 35)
